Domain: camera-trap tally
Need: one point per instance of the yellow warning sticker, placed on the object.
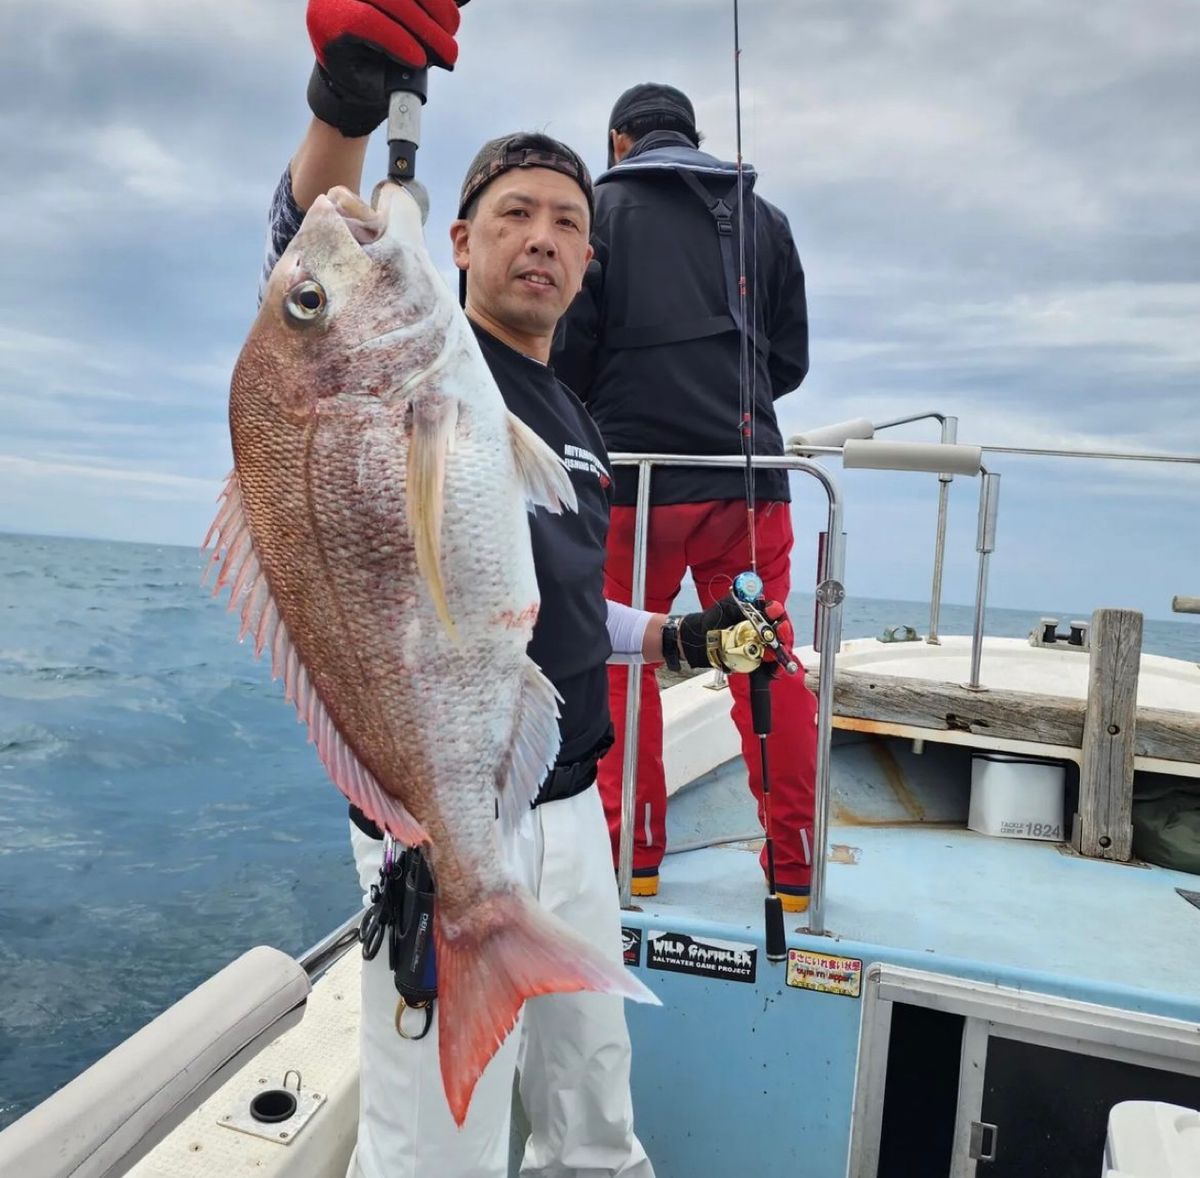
(820, 971)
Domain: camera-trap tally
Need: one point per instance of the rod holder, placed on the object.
(989, 506)
(985, 544)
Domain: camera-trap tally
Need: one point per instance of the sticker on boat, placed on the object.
(631, 944)
(730, 961)
(820, 971)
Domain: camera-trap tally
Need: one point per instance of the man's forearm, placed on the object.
(325, 159)
(635, 634)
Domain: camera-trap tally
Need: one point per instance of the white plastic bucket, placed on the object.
(1017, 797)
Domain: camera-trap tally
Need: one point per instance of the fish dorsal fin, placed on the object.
(433, 423)
(534, 748)
(238, 568)
(545, 479)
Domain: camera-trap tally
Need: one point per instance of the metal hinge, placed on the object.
(983, 1142)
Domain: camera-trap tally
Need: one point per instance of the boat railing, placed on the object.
(331, 947)
(854, 442)
(830, 592)
(835, 436)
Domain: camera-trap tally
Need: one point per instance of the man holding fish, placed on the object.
(415, 529)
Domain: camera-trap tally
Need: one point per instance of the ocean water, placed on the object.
(160, 808)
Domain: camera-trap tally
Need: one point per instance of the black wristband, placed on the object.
(353, 119)
(670, 644)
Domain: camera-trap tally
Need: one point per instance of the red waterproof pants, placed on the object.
(711, 539)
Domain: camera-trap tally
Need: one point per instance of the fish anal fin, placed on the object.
(523, 951)
(237, 565)
(536, 740)
(433, 423)
(546, 481)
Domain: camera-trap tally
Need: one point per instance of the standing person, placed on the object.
(653, 346)
(521, 239)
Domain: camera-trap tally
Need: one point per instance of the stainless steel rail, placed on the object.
(330, 948)
(949, 436)
(830, 594)
(985, 544)
(988, 500)
(1111, 455)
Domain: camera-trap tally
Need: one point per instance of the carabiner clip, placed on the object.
(402, 1006)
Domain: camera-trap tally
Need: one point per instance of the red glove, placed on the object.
(356, 42)
(773, 611)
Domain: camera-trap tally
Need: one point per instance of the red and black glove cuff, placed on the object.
(353, 118)
(357, 44)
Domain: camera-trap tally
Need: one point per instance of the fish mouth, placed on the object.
(366, 224)
(394, 214)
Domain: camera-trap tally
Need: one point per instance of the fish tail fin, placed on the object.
(509, 950)
(433, 424)
(543, 475)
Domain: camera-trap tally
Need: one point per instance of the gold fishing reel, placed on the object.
(737, 650)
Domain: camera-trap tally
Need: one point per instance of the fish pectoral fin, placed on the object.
(523, 951)
(433, 423)
(534, 747)
(239, 568)
(543, 474)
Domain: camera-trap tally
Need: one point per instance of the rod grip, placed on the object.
(760, 701)
(776, 937)
(407, 90)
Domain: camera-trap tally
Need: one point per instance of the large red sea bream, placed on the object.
(374, 536)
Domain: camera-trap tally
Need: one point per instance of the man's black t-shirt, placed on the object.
(570, 638)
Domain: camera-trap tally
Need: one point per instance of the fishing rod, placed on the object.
(748, 586)
(408, 88)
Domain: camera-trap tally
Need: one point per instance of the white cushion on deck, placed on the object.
(105, 1119)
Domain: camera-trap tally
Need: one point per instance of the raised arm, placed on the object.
(356, 45)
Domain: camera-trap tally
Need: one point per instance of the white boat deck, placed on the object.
(1013, 664)
(949, 895)
(324, 1050)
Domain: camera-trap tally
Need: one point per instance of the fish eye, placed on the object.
(305, 301)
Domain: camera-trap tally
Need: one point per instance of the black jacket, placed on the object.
(652, 344)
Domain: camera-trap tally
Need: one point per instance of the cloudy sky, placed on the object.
(995, 204)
